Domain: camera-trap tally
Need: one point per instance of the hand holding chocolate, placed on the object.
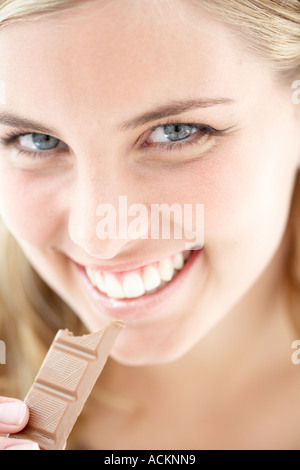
(64, 383)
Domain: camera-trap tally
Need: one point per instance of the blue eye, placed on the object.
(172, 133)
(38, 142)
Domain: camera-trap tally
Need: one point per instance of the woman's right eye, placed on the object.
(41, 142)
(34, 145)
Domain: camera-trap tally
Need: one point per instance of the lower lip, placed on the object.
(141, 307)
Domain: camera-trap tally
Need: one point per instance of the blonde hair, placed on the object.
(271, 28)
(12, 11)
(30, 312)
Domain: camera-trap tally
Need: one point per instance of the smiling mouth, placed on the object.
(139, 282)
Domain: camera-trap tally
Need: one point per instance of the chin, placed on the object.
(137, 356)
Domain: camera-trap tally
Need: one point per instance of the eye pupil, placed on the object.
(44, 142)
(176, 132)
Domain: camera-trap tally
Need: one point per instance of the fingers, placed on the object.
(14, 416)
(17, 444)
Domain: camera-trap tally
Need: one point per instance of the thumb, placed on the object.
(14, 415)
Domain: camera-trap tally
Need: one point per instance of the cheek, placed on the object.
(246, 188)
(29, 207)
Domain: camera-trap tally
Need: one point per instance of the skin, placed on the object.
(234, 299)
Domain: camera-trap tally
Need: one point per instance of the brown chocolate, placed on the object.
(64, 383)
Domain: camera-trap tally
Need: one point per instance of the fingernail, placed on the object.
(27, 446)
(12, 413)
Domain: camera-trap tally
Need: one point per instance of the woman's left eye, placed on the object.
(172, 133)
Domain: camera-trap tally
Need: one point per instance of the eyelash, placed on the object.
(11, 137)
(205, 129)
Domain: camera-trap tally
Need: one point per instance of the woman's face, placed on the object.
(107, 83)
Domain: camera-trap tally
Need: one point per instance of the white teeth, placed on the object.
(91, 275)
(99, 282)
(166, 270)
(133, 285)
(112, 287)
(178, 261)
(151, 278)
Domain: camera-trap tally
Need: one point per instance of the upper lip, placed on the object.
(122, 267)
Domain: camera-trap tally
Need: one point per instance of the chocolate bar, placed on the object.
(64, 383)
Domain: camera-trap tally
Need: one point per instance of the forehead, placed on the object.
(115, 55)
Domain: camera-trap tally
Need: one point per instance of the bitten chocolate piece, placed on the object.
(63, 384)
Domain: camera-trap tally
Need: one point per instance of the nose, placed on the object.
(95, 224)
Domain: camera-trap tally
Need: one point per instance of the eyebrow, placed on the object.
(170, 109)
(13, 120)
(174, 109)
